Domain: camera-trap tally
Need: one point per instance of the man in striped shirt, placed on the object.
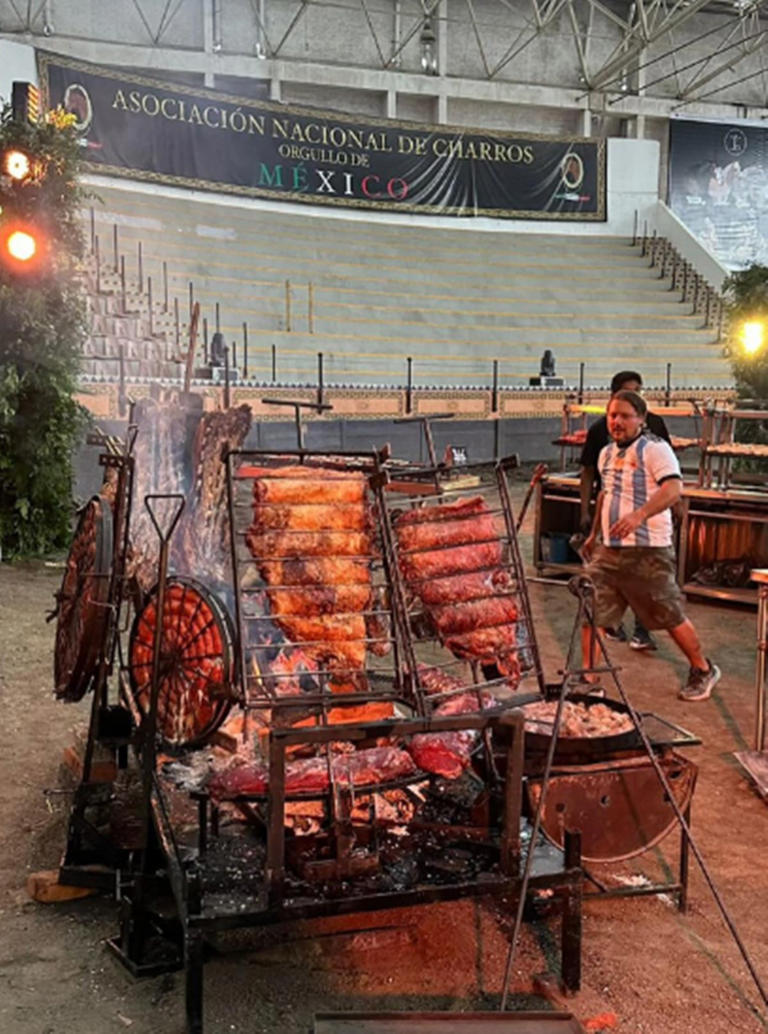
(634, 566)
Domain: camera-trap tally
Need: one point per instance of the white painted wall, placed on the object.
(632, 177)
(17, 63)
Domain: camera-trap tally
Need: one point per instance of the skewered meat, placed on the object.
(160, 457)
(294, 484)
(204, 530)
(474, 612)
(311, 536)
(577, 719)
(311, 775)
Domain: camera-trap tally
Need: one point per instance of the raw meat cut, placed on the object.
(311, 775)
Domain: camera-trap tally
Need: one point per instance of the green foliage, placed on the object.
(42, 330)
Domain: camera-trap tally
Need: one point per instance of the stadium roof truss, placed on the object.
(644, 57)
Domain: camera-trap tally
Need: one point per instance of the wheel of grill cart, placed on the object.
(83, 599)
(197, 663)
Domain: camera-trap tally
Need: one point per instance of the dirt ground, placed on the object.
(646, 968)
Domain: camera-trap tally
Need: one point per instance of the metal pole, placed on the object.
(115, 248)
(319, 378)
(274, 363)
(234, 354)
(98, 264)
(669, 384)
(165, 287)
(495, 390)
(288, 305)
(123, 299)
(149, 304)
(121, 381)
(218, 319)
(176, 320)
(634, 230)
(191, 297)
(140, 275)
(205, 341)
(245, 349)
(311, 307)
(581, 383)
(645, 237)
(409, 385)
(226, 377)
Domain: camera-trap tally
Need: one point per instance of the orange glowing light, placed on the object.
(21, 246)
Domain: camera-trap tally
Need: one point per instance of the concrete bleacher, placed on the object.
(369, 294)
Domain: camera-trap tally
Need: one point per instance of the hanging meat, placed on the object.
(311, 536)
(204, 530)
(451, 557)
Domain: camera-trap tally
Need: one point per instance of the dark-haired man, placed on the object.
(634, 566)
(597, 439)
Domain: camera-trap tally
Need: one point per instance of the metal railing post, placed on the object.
(245, 349)
(495, 389)
(176, 321)
(668, 390)
(581, 383)
(645, 237)
(274, 363)
(191, 298)
(319, 378)
(218, 318)
(409, 385)
(205, 340)
(97, 257)
(149, 305)
(634, 229)
(123, 296)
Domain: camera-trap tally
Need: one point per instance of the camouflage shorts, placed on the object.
(639, 577)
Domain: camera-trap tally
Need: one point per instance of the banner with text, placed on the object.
(166, 133)
(718, 186)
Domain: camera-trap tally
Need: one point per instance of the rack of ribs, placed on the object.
(451, 557)
(311, 536)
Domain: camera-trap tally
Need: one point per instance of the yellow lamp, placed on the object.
(752, 336)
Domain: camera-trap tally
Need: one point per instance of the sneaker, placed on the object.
(642, 640)
(615, 635)
(700, 683)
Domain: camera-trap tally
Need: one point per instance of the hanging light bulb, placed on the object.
(428, 52)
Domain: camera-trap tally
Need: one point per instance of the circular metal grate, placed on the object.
(82, 602)
(196, 662)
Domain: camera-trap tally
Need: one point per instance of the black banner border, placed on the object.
(46, 58)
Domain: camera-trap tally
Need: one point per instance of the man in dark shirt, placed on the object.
(597, 439)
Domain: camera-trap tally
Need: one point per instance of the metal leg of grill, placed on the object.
(571, 921)
(193, 950)
(682, 895)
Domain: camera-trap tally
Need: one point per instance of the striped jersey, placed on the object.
(630, 475)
